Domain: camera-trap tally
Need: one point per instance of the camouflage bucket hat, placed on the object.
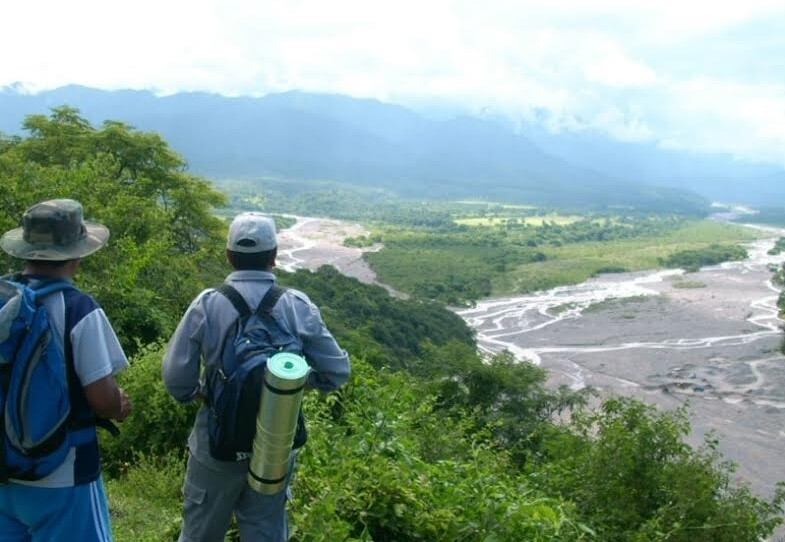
(54, 230)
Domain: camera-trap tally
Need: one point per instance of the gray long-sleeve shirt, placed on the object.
(197, 342)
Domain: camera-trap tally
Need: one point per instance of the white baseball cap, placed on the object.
(251, 232)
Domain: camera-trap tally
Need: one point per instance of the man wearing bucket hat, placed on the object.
(69, 503)
(215, 489)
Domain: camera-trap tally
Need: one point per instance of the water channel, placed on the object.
(710, 338)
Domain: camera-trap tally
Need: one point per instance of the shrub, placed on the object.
(632, 476)
(158, 425)
(390, 468)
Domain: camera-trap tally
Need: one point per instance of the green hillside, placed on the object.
(427, 442)
(364, 143)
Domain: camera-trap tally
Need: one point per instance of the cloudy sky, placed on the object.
(701, 75)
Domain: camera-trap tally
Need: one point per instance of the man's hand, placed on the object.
(107, 400)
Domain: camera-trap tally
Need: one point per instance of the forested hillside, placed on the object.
(427, 442)
(304, 136)
(719, 177)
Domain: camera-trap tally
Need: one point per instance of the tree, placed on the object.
(164, 236)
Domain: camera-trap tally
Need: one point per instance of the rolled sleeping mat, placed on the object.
(276, 423)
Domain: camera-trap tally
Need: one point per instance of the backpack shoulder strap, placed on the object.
(269, 300)
(237, 300)
(42, 288)
(48, 287)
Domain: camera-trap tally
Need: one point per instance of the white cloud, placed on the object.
(601, 62)
(741, 119)
(612, 67)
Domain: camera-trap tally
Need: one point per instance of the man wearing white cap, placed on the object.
(215, 489)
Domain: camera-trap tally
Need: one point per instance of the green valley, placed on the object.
(467, 264)
(461, 251)
(429, 441)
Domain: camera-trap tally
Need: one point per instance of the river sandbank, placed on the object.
(710, 339)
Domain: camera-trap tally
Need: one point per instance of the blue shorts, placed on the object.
(48, 514)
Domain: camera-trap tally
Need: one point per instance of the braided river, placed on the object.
(710, 338)
(714, 344)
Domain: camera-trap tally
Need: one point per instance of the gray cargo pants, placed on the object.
(211, 496)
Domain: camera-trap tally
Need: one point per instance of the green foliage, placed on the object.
(367, 321)
(146, 504)
(337, 200)
(633, 478)
(282, 222)
(463, 265)
(159, 425)
(164, 237)
(611, 269)
(511, 396)
(778, 247)
(467, 279)
(402, 472)
(693, 260)
(428, 441)
(362, 241)
(507, 397)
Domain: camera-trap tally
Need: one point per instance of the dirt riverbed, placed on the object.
(709, 338)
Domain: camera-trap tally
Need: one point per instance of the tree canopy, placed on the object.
(164, 237)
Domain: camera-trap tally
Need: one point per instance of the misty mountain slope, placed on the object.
(298, 135)
(716, 176)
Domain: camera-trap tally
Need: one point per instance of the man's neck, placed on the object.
(49, 272)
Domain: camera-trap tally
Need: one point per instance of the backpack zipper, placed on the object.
(43, 342)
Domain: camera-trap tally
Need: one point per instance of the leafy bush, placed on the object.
(391, 468)
(633, 478)
(693, 260)
(611, 269)
(158, 427)
(778, 247)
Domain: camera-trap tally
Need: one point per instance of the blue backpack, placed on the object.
(35, 406)
(234, 387)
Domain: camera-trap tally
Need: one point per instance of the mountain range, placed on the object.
(304, 136)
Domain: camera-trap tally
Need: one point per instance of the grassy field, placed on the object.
(574, 263)
(460, 267)
(146, 505)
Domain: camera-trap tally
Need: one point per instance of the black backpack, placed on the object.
(234, 387)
